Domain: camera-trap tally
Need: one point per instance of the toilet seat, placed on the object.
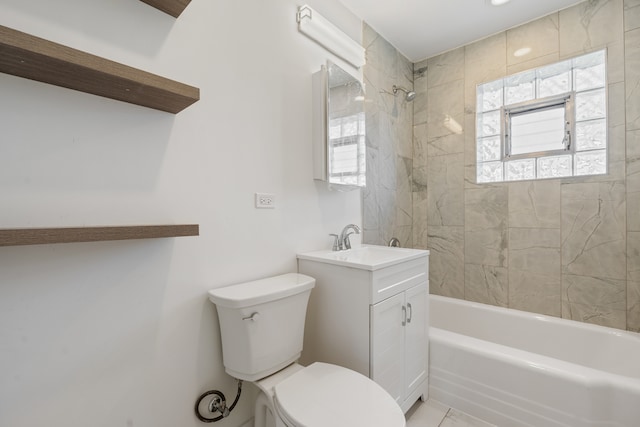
(323, 395)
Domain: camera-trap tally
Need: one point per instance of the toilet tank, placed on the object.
(262, 324)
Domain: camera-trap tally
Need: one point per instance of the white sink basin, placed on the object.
(365, 257)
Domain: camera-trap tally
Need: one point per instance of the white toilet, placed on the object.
(262, 328)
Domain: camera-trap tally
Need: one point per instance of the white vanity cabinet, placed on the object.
(371, 317)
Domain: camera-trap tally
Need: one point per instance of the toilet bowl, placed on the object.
(262, 327)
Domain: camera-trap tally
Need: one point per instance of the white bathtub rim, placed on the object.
(528, 331)
(585, 375)
(635, 336)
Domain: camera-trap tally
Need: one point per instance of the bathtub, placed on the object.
(513, 368)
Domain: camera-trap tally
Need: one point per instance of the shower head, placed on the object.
(410, 95)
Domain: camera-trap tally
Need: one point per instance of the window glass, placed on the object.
(523, 132)
(554, 79)
(520, 87)
(537, 130)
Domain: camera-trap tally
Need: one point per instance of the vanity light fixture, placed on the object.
(320, 29)
(498, 2)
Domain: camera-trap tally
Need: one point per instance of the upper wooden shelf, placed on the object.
(172, 7)
(40, 236)
(38, 59)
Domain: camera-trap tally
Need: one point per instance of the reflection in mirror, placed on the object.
(346, 129)
(338, 129)
(346, 155)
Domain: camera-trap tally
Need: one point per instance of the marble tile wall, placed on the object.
(387, 199)
(564, 247)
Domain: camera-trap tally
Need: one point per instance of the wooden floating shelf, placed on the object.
(172, 7)
(40, 236)
(31, 57)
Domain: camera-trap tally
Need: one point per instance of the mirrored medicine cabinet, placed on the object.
(339, 128)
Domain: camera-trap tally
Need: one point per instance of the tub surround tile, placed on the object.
(447, 144)
(632, 76)
(615, 62)
(633, 281)
(420, 145)
(534, 270)
(485, 222)
(617, 162)
(616, 105)
(594, 300)
(420, 236)
(534, 204)
(446, 68)
(485, 60)
(446, 275)
(631, 14)
(420, 86)
(594, 229)
(540, 36)
(633, 180)
(633, 256)
(533, 63)
(388, 197)
(420, 180)
(445, 195)
(446, 106)
(590, 25)
(633, 306)
(486, 284)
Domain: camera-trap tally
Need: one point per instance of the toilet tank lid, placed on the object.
(260, 291)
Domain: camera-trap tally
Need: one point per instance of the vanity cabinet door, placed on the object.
(387, 345)
(399, 342)
(416, 337)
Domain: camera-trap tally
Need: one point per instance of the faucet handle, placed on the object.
(346, 242)
(336, 243)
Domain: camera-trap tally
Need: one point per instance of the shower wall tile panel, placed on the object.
(486, 284)
(388, 197)
(540, 36)
(594, 300)
(631, 14)
(445, 195)
(565, 247)
(534, 270)
(590, 25)
(446, 244)
(534, 204)
(632, 77)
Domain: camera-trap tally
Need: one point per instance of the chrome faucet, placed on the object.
(342, 241)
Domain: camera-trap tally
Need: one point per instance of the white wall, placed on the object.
(121, 333)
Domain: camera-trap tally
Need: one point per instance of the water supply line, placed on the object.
(217, 404)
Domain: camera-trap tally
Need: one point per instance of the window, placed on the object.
(544, 123)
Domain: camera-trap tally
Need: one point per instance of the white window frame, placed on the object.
(529, 107)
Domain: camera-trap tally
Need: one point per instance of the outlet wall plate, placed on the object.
(265, 201)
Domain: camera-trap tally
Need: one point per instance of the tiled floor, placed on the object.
(434, 414)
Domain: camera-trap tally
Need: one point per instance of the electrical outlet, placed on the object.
(265, 201)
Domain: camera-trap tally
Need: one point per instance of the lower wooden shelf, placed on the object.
(171, 7)
(40, 236)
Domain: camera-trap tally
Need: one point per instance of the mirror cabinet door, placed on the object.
(346, 148)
